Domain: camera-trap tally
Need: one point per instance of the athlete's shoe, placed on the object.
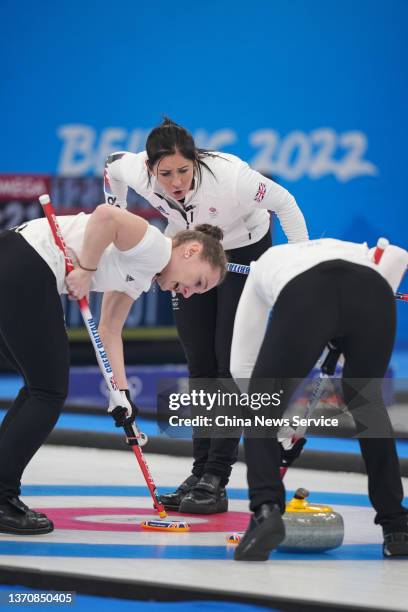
(17, 518)
(396, 538)
(16, 501)
(172, 501)
(206, 497)
(266, 530)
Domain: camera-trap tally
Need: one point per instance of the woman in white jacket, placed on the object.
(115, 252)
(187, 186)
(319, 290)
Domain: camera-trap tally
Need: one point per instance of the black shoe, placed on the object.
(172, 501)
(266, 530)
(396, 538)
(206, 497)
(16, 501)
(17, 518)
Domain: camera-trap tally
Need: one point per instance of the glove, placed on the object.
(125, 413)
(289, 455)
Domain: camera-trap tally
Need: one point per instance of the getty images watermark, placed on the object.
(253, 410)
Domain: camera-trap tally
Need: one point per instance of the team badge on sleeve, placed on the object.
(109, 195)
(106, 183)
(260, 194)
(110, 198)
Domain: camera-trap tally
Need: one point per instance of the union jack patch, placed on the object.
(106, 183)
(260, 194)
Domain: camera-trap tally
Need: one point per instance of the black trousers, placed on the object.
(335, 299)
(205, 324)
(33, 340)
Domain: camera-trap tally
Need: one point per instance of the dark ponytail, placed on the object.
(169, 138)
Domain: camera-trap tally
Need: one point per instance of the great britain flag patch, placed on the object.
(260, 194)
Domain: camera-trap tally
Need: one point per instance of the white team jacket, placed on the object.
(236, 198)
(277, 267)
(130, 272)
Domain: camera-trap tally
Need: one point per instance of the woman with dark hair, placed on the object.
(116, 253)
(188, 185)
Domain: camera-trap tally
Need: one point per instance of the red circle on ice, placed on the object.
(129, 519)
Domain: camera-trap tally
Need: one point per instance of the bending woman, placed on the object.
(115, 252)
(320, 290)
(188, 185)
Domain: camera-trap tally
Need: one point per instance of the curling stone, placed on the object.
(311, 527)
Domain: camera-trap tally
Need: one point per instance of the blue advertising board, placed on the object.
(311, 92)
